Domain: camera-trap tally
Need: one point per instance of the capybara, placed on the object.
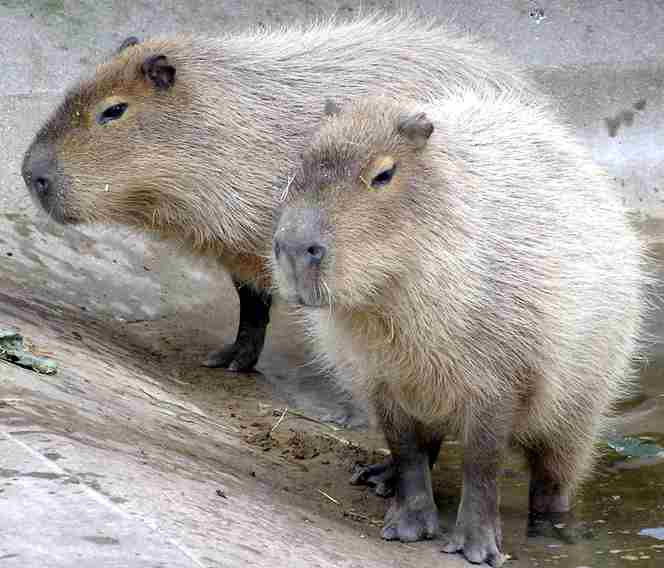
(464, 265)
(190, 138)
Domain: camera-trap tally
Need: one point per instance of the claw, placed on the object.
(477, 546)
(236, 358)
(409, 524)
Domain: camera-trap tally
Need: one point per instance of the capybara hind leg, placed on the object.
(477, 532)
(553, 475)
(413, 514)
(549, 492)
(382, 476)
(254, 318)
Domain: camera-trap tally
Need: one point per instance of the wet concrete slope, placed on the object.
(134, 455)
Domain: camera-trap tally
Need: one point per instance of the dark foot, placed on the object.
(381, 476)
(417, 519)
(550, 506)
(239, 358)
(477, 543)
(548, 496)
(243, 355)
(564, 527)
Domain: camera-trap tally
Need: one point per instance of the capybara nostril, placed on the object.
(305, 256)
(39, 170)
(41, 186)
(316, 253)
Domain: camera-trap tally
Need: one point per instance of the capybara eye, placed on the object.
(384, 177)
(112, 113)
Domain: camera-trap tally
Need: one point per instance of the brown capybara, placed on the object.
(190, 138)
(464, 265)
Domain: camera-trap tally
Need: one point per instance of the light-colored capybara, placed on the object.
(466, 266)
(191, 138)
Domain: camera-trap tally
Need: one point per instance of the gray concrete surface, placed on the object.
(116, 460)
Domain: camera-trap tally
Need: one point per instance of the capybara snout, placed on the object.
(43, 178)
(300, 249)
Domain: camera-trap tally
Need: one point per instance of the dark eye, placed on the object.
(112, 113)
(384, 177)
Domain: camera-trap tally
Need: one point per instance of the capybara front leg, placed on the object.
(242, 355)
(382, 476)
(477, 532)
(413, 514)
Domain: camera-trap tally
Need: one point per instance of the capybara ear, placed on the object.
(130, 41)
(331, 108)
(416, 127)
(159, 71)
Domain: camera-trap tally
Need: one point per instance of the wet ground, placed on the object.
(134, 455)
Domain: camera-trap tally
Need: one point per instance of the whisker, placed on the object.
(284, 193)
(329, 297)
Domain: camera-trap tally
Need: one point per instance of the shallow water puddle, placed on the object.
(657, 533)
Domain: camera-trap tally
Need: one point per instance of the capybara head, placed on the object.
(104, 155)
(343, 233)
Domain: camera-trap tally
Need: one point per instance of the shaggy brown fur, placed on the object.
(466, 266)
(211, 127)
